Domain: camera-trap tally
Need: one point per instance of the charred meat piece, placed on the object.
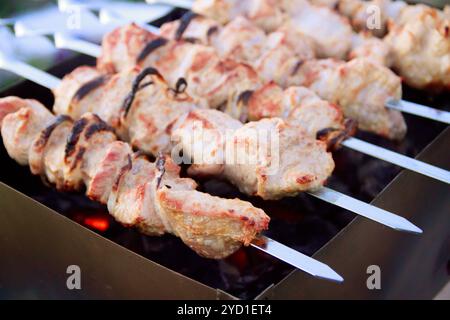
(267, 158)
(79, 91)
(420, 45)
(361, 88)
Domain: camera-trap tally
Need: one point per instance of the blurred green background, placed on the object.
(11, 7)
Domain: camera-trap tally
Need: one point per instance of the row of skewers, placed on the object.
(413, 39)
(135, 101)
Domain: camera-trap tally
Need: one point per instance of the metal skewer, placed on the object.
(400, 105)
(398, 159)
(419, 110)
(354, 205)
(107, 16)
(182, 4)
(64, 5)
(366, 210)
(292, 257)
(29, 72)
(265, 244)
(63, 41)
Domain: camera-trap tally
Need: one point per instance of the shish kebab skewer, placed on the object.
(285, 57)
(150, 196)
(418, 38)
(394, 103)
(272, 187)
(417, 41)
(86, 152)
(331, 33)
(63, 41)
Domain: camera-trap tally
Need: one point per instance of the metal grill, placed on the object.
(303, 223)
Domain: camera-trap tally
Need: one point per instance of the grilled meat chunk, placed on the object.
(268, 158)
(362, 14)
(298, 106)
(266, 14)
(21, 124)
(361, 88)
(330, 32)
(230, 223)
(121, 48)
(366, 46)
(420, 45)
(79, 91)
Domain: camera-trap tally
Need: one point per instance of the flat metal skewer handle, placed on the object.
(419, 110)
(398, 159)
(366, 210)
(107, 16)
(183, 4)
(29, 72)
(63, 41)
(294, 258)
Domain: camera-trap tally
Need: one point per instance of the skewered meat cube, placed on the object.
(230, 222)
(330, 32)
(352, 86)
(267, 158)
(121, 48)
(116, 156)
(155, 108)
(282, 53)
(364, 14)
(12, 104)
(79, 91)
(300, 107)
(20, 125)
(84, 148)
(420, 44)
(133, 194)
(265, 13)
(366, 46)
(239, 40)
(51, 145)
